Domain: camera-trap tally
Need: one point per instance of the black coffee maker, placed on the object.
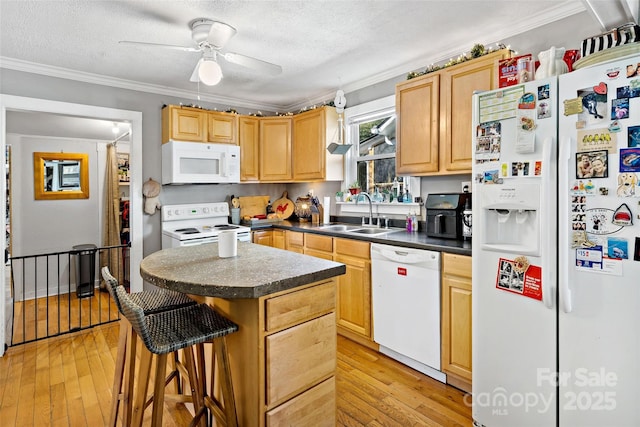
(445, 214)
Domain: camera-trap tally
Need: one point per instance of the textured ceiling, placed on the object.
(321, 45)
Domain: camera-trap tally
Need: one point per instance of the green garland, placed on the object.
(477, 51)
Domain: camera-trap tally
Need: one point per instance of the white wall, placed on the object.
(45, 226)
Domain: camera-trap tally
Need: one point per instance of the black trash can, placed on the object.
(85, 259)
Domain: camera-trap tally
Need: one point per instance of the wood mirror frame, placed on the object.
(41, 193)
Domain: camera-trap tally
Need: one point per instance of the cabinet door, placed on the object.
(278, 239)
(275, 149)
(354, 295)
(309, 151)
(184, 124)
(294, 241)
(417, 105)
(456, 316)
(222, 127)
(458, 85)
(262, 237)
(249, 138)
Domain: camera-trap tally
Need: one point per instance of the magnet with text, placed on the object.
(630, 160)
(520, 277)
(622, 216)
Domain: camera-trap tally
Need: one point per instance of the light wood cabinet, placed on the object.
(222, 127)
(249, 139)
(417, 103)
(353, 309)
(318, 246)
(275, 149)
(273, 238)
(262, 237)
(197, 125)
(312, 133)
(278, 239)
(456, 319)
(294, 241)
(435, 116)
(183, 124)
(284, 356)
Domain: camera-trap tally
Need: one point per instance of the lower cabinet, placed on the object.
(283, 357)
(456, 319)
(294, 241)
(273, 238)
(354, 290)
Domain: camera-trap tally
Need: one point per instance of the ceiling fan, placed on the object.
(210, 37)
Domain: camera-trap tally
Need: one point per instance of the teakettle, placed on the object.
(551, 63)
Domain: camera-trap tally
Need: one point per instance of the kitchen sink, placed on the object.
(369, 231)
(338, 227)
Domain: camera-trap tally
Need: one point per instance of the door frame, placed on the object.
(18, 103)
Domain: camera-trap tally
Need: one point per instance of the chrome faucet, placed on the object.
(364, 193)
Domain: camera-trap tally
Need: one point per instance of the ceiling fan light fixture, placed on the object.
(210, 72)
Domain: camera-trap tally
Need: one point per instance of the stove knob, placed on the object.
(216, 208)
(177, 212)
(205, 210)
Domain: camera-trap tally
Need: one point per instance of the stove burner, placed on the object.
(190, 230)
(226, 227)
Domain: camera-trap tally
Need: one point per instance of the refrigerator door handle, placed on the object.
(547, 253)
(564, 244)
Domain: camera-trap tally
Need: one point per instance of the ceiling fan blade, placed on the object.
(254, 63)
(162, 46)
(220, 33)
(194, 76)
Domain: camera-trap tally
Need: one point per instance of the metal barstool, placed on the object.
(181, 329)
(151, 302)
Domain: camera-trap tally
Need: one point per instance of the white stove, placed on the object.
(196, 224)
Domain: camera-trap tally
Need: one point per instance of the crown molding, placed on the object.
(65, 73)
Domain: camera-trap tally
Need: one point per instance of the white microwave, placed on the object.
(200, 163)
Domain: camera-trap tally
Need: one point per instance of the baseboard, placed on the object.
(459, 383)
(358, 338)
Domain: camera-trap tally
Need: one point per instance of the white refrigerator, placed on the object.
(556, 251)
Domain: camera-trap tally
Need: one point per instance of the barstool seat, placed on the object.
(151, 302)
(169, 331)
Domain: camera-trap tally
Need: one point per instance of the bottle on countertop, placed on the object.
(395, 187)
(269, 208)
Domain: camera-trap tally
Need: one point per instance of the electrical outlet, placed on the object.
(466, 186)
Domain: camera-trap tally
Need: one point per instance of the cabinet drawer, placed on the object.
(298, 357)
(299, 306)
(457, 265)
(295, 238)
(315, 407)
(320, 243)
(353, 248)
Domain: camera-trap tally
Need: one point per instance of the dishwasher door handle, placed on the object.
(407, 257)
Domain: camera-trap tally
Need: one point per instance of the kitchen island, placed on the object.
(283, 358)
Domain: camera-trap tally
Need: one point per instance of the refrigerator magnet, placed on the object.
(630, 159)
(619, 108)
(636, 251)
(617, 248)
(633, 136)
(622, 216)
(572, 106)
(627, 183)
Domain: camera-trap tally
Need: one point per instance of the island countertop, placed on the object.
(256, 271)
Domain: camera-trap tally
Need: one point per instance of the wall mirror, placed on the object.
(60, 176)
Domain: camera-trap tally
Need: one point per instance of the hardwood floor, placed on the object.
(66, 381)
(49, 316)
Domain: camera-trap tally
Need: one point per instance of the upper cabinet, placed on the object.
(275, 149)
(222, 127)
(197, 125)
(435, 115)
(249, 137)
(313, 131)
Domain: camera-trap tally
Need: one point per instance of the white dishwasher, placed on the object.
(406, 306)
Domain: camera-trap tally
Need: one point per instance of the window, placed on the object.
(371, 129)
